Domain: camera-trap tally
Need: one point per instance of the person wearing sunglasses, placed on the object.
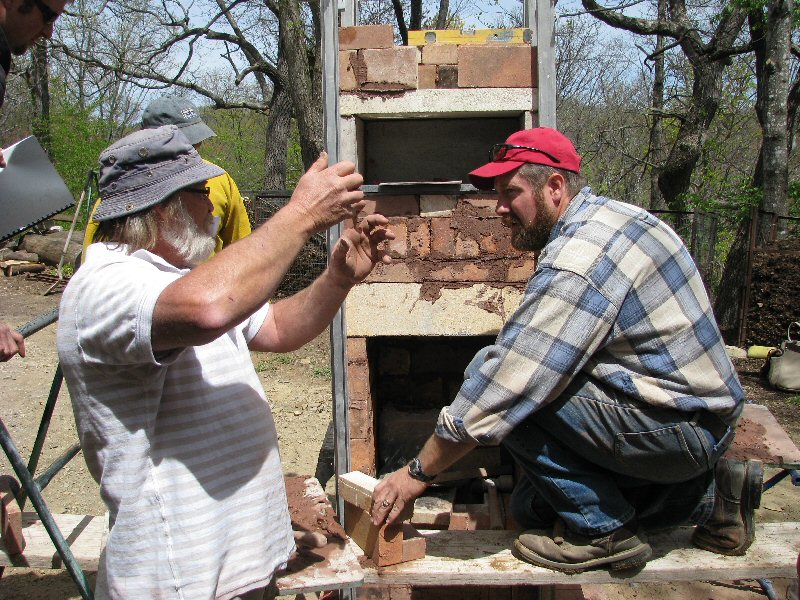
(154, 339)
(229, 210)
(22, 23)
(610, 385)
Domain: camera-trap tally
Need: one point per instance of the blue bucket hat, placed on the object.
(145, 168)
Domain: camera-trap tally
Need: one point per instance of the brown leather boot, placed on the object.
(730, 529)
(569, 552)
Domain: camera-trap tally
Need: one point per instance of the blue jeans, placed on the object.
(598, 459)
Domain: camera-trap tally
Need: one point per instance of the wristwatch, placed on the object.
(416, 472)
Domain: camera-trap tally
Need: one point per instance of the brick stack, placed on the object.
(454, 277)
(369, 62)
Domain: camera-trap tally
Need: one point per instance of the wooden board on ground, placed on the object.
(464, 558)
(759, 436)
(85, 534)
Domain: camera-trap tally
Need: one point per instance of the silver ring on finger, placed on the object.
(385, 503)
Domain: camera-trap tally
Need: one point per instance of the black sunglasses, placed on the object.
(49, 16)
(197, 190)
(499, 151)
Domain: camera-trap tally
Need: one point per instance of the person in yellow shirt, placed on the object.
(229, 208)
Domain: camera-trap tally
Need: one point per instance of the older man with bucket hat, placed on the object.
(610, 385)
(230, 213)
(155, 342)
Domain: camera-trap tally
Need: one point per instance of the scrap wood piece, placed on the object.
(10, 516)
(15, 267)
(384, 545)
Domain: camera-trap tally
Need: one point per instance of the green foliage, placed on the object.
(77, 138)
(794, 400)
(239, 146)
(322, 372)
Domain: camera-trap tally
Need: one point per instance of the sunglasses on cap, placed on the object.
(197, 190)
(499, 151)
(49, 16)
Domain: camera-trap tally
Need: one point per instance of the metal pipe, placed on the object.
(44, 479)
(38, 323)
(49, 523)
(44, 426)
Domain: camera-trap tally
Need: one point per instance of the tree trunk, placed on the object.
(38, 78)
(401, 20)
(657, 104)
(775, 90)
(278, 129)
(415, 23)
(441, 17)
(305, 77)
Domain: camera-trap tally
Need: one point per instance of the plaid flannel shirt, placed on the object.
(615, 297)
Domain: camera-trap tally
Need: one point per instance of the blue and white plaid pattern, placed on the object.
(615, 297)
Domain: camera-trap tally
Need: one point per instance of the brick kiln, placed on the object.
(415, 120)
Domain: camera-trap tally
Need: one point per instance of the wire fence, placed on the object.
(311, 260)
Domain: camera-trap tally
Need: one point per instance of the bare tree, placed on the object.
(223, 50)
(708, 54)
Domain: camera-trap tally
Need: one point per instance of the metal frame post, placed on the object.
(544, 26)
(330, 95)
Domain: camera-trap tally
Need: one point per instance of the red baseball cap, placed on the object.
(540, 145)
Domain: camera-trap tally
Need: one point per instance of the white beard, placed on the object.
(192, 244)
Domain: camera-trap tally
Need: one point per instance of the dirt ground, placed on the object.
(298, 388)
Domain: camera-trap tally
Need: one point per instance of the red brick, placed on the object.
(398, 247)
(347, 77)
(395, 272)
(447, 76)
(356, 351)
(361, 420)
(366, 36)
(461, 271)
(439, 54)
(497, 66)
(392, 206)
(419, 238)
(443, 238)
(392, 66)
(359, 383)
(427, 77)
(488, 244)
(466, 247)
(362, 455)
(521, 271)
(483, 206)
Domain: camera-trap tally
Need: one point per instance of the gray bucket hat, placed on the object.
(145, 168)
(171, 110)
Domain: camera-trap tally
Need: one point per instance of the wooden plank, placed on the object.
(485, 559)
(84, 534)
(759, 436)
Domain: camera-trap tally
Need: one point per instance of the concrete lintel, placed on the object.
(441, 102)
(398, 309)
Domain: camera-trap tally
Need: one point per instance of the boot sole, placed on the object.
(630, 559)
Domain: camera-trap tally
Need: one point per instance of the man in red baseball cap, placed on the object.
(609, 385)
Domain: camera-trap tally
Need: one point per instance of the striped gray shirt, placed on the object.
(183, 445)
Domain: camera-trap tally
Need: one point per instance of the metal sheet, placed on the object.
(31, 190)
